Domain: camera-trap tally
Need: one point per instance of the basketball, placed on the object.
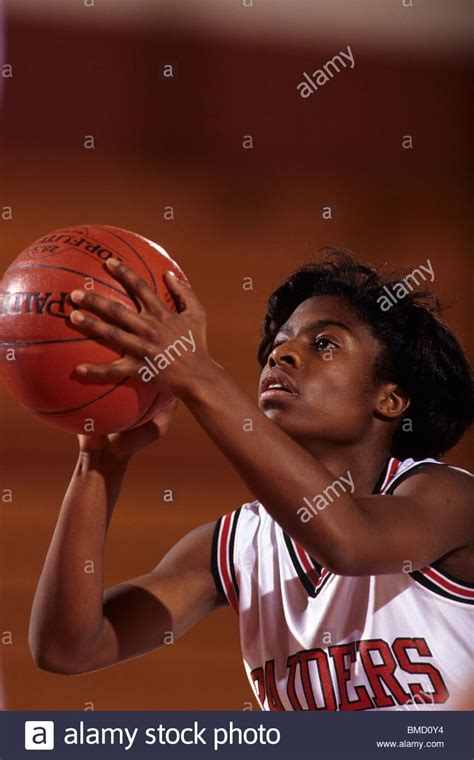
(40, 347)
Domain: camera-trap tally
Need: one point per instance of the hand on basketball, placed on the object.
(123, 446)
(157, 345)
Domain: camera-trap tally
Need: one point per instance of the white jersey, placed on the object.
(313, 640)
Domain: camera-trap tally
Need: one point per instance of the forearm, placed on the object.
(278, 471)
(68, 606)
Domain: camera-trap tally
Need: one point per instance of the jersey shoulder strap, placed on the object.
(396, 471)
(232, 528)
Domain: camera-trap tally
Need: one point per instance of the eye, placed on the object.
(277, 343)
(323, 344)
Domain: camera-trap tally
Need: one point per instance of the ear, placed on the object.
(392, 402)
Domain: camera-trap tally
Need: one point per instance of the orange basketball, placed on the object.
(40, 347)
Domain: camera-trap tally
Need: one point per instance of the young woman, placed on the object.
(352, 572)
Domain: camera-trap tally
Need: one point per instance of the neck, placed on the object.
(363, 460)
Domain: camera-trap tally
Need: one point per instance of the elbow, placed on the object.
(57, 663)
(341, 567)
(52, 664)
(343, 559)
(53, 658)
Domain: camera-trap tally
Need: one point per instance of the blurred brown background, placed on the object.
(80, 70)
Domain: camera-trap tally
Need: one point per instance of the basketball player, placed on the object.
(352, 571)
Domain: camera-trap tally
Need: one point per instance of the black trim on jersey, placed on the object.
(323, 584)
(231, 550)
(407, 473)
(428, 583)
(300, 570)
(317, 566)
(302, 573)
(214, 562)
(442, 571)
(230, 555)
(382, 476)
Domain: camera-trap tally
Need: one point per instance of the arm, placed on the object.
(430, 515)
(347, 537)
(74, 627)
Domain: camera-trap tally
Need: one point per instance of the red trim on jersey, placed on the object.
(224, 560)
(391, 470)
(324, 574)
(452, 586)
(318, 580)
(309, 568)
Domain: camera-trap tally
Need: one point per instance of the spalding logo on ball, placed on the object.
(39, 346)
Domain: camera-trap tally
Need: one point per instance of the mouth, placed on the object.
(276, 385)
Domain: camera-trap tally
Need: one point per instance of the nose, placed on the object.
(285, 355)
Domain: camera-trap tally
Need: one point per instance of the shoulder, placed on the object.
(440, 483)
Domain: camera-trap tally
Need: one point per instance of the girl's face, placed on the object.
(325, 355)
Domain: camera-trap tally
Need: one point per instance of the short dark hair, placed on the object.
(419, 351)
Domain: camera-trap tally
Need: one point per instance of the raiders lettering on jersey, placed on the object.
(313, 664)
(313, 640)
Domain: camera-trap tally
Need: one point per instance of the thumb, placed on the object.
(166, 412)
(91, 442)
